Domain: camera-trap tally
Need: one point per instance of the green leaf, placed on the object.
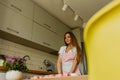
(4, 63)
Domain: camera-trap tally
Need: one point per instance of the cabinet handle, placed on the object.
(44, 26)
(46, 43)
(12, 30)
(16, 7)
(47, 25)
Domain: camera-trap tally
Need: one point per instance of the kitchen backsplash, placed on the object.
(36, 56)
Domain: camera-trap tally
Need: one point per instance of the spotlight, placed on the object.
(64, 7)
(76, 17)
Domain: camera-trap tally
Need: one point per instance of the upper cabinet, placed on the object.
(24, 7)
(26, 20)
(14, 23)
(47, 30)
(43, 18)
(45, 37)
(48, 21)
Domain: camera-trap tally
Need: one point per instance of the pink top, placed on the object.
(68, 59)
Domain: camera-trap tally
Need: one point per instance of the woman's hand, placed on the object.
(74, 66)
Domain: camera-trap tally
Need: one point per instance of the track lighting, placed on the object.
(67, 6)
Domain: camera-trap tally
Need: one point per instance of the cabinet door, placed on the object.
(5, 16)
(40, 35)
(24, 7)
(56, 26)
(44, 18)
(39, 15)
(23, 25)
(45, 37)
(27, 8)
(15, 23)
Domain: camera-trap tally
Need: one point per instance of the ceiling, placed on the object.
(84, 8)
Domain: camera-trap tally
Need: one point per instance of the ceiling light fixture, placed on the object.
(64, 7)
(76, 17)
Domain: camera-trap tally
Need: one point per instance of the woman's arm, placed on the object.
(74, 66)
(59, 65)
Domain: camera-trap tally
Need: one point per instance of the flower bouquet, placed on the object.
(15, 67)
(15, 63)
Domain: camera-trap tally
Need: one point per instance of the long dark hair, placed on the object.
(74, 42)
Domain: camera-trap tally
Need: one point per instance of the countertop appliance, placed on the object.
(50, 67)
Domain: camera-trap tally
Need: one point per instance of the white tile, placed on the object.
(6, 42)
(5, 47)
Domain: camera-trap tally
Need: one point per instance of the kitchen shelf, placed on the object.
(30, 71)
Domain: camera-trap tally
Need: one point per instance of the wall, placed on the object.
(77, 32)
(36, 56)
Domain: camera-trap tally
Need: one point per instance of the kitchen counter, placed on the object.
(82, 77)
(30, 71)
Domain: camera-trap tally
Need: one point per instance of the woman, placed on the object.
(69, 55)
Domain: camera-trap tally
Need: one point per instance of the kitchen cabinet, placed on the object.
(45, 37)
(23, 7)
(14, 23)
(18, 18)
(43, 18)
(49, 22)
(59, 27)
(53, 29)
